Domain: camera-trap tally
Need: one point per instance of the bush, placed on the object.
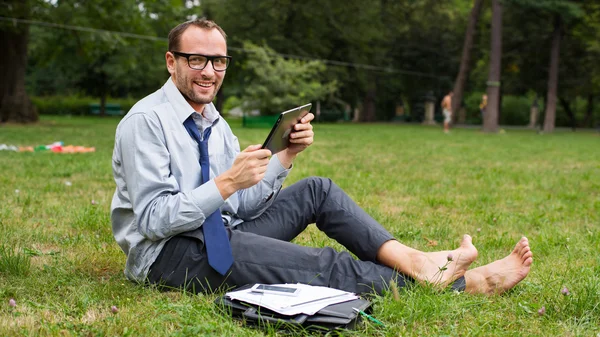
(74, 105)
(230, 103)
(126, 103)
(472, 101)
(515, 110)
(62, 105)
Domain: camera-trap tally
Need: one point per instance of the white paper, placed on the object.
(309, 300)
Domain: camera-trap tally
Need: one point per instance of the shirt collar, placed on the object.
(182, 108)
(211, 113)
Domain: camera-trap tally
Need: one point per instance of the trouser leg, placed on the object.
(266, 256)
(260, 259)
(320, 201)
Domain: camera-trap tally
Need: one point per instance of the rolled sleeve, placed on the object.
(208, 197)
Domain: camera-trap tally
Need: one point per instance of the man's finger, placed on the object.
(309, 117)
(305, 141)
(301, 134)
(252, 148)
(299, 127)
(261, 153)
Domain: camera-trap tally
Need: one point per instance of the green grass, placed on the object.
(59, 261)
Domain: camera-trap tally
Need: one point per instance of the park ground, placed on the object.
(63, 270)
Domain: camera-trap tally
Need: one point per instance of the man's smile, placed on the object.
(204, 84)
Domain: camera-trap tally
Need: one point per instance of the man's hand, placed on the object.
(248, 169)
(301, 137)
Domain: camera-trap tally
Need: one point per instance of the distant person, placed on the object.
(447, 110)
(192, 211)
(483, 106)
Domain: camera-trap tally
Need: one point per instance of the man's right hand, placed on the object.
(249, 167)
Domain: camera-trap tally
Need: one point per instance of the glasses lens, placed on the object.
(197, 62)
(220, 63)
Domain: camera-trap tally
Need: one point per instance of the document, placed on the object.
(309, 300)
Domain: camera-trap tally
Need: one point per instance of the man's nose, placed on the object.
(209, 70)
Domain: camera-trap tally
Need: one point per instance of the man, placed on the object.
(171, 225)
(447, 110)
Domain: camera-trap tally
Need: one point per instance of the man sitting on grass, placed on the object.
(190, 210)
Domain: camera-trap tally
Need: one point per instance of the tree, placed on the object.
(110, 48)
(379, 53)
(15, 105)
(490, 120)
(562, 13)
(463, 72)
(106, 62)
(278, 84)
(550, 113)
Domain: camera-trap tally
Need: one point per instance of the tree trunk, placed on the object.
(567, 107)
(15, 105)
(589, 112)
(103, 93)
(463, 72)
(103, 103)
(220, 101)
(368, 114)
(490, 119)
(550, 115)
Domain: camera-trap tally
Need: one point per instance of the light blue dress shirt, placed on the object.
(157, 172)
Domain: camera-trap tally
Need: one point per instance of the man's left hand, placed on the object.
(302, 136)
(300, 139)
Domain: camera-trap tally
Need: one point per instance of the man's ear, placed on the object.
(170, 60)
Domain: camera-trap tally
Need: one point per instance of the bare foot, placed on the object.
(443, 268)
(501, 275)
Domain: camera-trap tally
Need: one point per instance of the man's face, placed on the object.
(199, 87)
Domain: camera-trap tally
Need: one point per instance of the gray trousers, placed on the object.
(263, 253)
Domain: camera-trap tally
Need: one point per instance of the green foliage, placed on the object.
(390, 49)
(566, 8)
(95, 60)
(231, 103)
(471, 103)
(277, 84)
(62, 105)
(515, 110)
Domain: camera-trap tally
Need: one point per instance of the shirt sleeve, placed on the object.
(256, 199)
(161, 209)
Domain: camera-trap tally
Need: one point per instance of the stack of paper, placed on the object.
(309, 300)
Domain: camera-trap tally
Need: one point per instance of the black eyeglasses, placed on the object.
(199, 62)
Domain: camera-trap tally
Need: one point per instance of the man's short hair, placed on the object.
(175, 33)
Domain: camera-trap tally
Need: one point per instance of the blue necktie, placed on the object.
(217, 244)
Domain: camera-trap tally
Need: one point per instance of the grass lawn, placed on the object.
(61, 265)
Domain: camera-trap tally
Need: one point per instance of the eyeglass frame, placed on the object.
(208, 58)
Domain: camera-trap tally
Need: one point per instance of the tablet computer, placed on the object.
(279, 137)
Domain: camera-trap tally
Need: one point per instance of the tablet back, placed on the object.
(279, 137)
